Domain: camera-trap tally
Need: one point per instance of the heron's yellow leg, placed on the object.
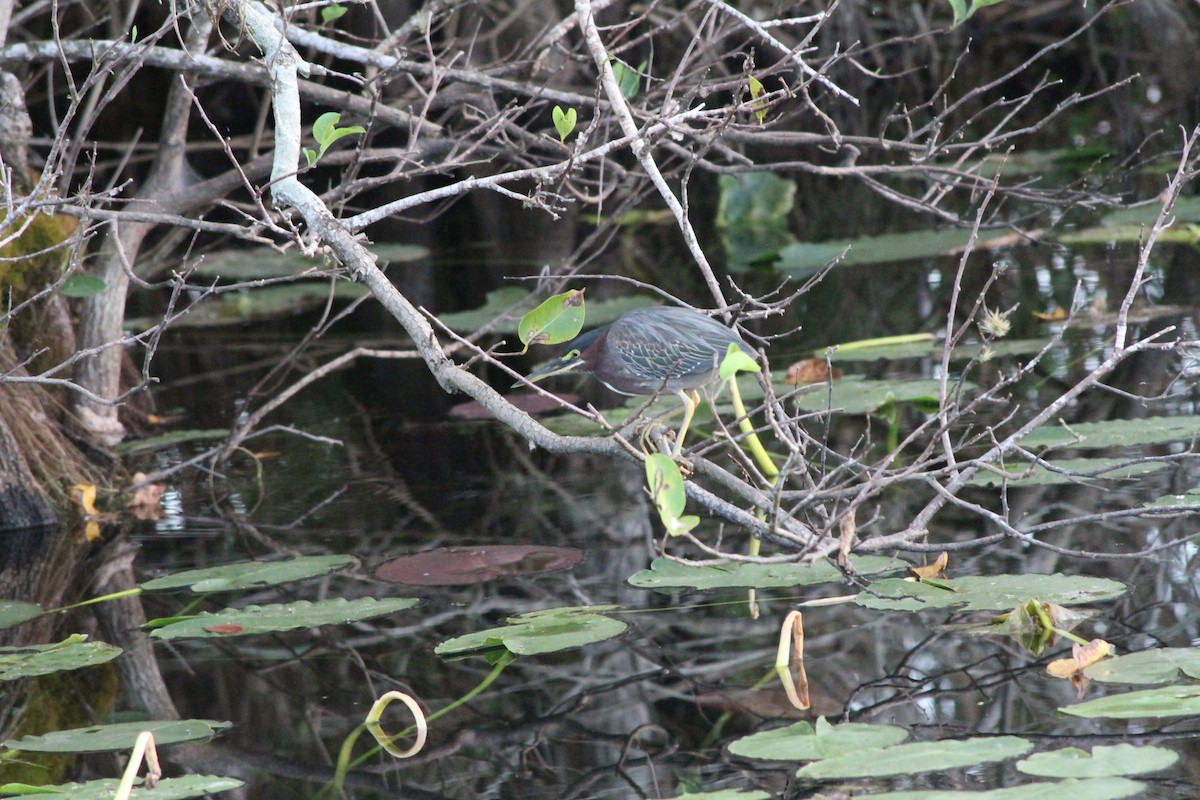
(690, 401)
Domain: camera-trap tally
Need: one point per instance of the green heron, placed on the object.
(650, 350)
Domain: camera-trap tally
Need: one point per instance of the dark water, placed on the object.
(642, 715)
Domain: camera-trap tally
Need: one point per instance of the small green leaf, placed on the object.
(1162, 665)
(82, 286)
(14, 612)
(332, 13)
(628, 78)
(564, 122)
(133, 35)
(666, 489)
(558, 319)
(310, 155)
(326, 132)
(756, 91)
(736, 360)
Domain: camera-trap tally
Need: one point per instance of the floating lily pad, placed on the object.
(541, 632)
(1102, 762)
(257, 263)
(929, 349)
(247, 574)
(667, 574)
(517, 301)
(453, 566)
(855, 395)
(988, 593)
(724, 794)
(1163, 665)
(1189, 498)
(14, 612)
(152, 443)
(1165, 701)
(269, 302)
(120, 736)
(1068, 470)
(800, 742)
(105, 788)
(1090, 789)
(44, 659)
(906, 759)
(807, 257)
(281, 617)
(1116, 433)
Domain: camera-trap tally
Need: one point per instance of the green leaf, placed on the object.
(332, 13)
(121, 736)
(855, 395)
(1102, 762)
(247, 574)
(559, 319)
(1090, 789)
(82, 286)
(105, 788)
(628, 78)
(1067, 470)
(666, 490)
(255, 263)
(1162, 665)
(564, 122)
(1166, 701)
(906, 759)
(800, 742)
(149, 445)
(326, 131)
(14, 612)
(667, 574)
(807, 258)
(282, 617)
(310, 155)
(756, 91)
(736, 360)
(1116, 433)
(988, 593)
(45, 659)
(540, 632)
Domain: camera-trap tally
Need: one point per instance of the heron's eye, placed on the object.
(571, 356)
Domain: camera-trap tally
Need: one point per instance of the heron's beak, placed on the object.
(559, 366)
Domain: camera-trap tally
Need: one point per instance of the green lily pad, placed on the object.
(1165, 701)
(281, 617)
(73, 652)
(152, 443)
(807, 257)
(988, 593)
(1074, 470)
(247, 574)
(257, 263)
(855, 395)
(105, 788)
(667, 574)
(539, 632)
(905, 759)
(1102, 762)
(14, 612)
(800, 742)
(1190, 498)
(1116, 433)
(517, 301)
(121, 736)
(724, 794)
(1162, 665)
(1090, 789)
(268, 302)
(929, 349)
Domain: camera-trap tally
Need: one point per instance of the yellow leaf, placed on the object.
(934, 571)
(85, 495)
